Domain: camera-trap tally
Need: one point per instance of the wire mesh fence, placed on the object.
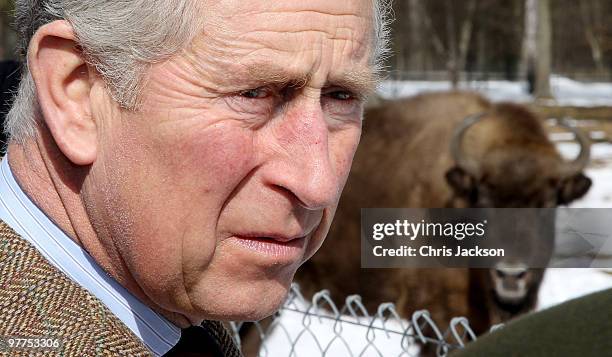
(320, 328)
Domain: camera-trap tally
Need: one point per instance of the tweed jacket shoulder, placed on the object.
(37, 299)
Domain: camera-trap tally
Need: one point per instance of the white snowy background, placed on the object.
(559, 285)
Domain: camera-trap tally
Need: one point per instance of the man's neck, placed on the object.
(54, 185)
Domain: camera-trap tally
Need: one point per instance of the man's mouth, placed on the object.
(278, 248)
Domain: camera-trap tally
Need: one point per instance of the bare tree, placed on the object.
(591, 13)
(457, 46)
(451, 36)
(544, 49)
(465, 36)
(537, 47)
(436, 42)
(529, 44)
(417, 36)
(495, 36)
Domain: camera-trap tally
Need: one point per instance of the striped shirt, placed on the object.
(29, 221)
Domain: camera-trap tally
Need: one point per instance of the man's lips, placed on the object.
(281, 238)
(272, 247)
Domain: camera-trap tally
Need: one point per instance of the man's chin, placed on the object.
(244, 302)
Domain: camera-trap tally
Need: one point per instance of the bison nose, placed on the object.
(517, 272)
(510, 281)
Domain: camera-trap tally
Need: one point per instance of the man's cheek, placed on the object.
(215, 158)
(165, 257)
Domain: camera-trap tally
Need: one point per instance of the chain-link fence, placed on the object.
(320, 328)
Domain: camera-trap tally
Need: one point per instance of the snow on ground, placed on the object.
(565, 91)
(559, 285)
(600, 172)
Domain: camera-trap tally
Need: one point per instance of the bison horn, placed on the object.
(581, 161)
(456, 147)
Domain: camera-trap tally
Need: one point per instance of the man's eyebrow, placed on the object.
(275, 74)
(360, 81)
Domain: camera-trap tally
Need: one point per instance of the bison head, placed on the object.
(517, 168)
(516, 172)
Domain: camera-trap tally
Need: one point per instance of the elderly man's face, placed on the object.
(228, 178)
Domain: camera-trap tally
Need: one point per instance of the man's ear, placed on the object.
(460, 181)
(573, 188)
(63, 83)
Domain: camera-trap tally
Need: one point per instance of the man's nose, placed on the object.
(305, 165)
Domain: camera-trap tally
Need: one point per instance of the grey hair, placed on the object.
(383, 16)
(121, 39)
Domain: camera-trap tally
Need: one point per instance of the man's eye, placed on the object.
(256, 93)
(341, 103)
(341, 95)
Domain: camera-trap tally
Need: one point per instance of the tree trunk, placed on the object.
(466, 34)
(530, 44)
(451, 38)
(4, 40)
(591, 18)
(543, 48)
(416, 35)
(481, 56)
(431, 31)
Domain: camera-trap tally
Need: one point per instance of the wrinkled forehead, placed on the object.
(306, 38)
(335, 19)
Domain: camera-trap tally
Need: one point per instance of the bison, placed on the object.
(453, 149)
